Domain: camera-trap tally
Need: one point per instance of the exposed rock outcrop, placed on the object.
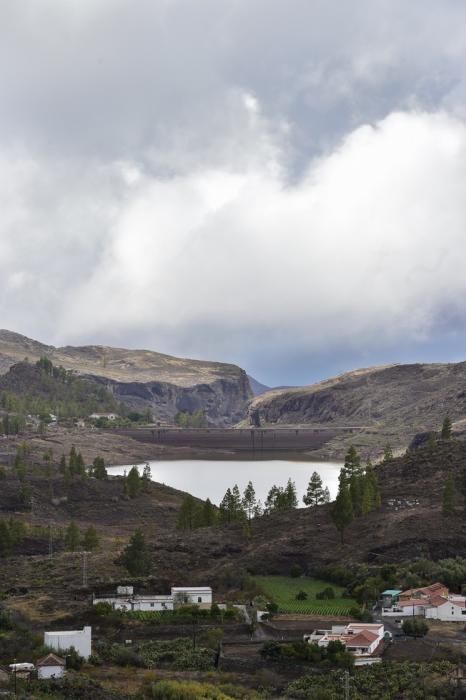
(144, 379)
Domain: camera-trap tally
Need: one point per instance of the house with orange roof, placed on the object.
(361, 639)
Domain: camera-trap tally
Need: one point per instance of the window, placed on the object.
(152, 605)
(199, 599)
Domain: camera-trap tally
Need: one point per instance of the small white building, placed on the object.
(192, 595)
(360, 638)
(449, 610)
(51, 666)
(81, 640)
(108, 416)
(127, 601)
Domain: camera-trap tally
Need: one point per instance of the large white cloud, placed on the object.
(366, 249)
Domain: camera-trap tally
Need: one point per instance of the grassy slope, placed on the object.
(283, 589)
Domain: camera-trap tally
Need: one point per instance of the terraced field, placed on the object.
(283, 589)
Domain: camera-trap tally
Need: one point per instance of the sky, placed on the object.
(275, 183)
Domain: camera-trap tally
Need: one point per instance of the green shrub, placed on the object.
(296, 571)
(415, 627)
(301, 595)
(102, 609)
(327, 594)
(185, 690)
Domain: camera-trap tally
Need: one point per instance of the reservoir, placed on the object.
(210, 478)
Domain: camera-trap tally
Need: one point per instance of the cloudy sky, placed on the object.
(276, 183)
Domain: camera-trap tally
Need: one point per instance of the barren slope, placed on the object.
(390, 403)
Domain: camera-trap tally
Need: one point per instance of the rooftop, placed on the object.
(51, 660)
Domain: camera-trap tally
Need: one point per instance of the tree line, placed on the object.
(242, 508)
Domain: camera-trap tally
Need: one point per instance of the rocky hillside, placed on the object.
(144, 379)
(384, 404)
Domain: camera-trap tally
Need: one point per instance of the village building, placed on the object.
(127, 601)
(108, 416)
(194, 595)
(81, 640)
(360, 638)
(51, 666)
(390, 596)
(433, 602)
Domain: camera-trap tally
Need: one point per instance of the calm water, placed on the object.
(211, 478)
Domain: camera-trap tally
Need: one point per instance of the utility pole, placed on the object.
(347, 686)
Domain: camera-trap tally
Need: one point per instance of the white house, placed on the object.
(81, 640)
(198, 595)
(449, 610)
(361, 639)
(51, 666)
(127, 601)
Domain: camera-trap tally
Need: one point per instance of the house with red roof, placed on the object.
(360, 638)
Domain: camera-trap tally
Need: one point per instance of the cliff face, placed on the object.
(144, 379)
(223, 400)
(384, 404)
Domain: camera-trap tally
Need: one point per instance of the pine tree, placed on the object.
(342, 511)
(187, 513)
(63, 465)
(446, 429)
(135, 556)
(72, 537)
(208, 514)
(90, 539)
(291, 499)
(146, 477)
(316, 494)
(352, 463)
(448, 503)
(226, 508)
(80, 467)
(259, 509)
(98, 469)
(356, 489)
(387, 453)
(19, 465)
(237, 504)
(271, 502)
(5, 539)
(133, 482)
(72, 461)
(249, 500)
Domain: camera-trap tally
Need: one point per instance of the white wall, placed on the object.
(199, 597)
(81, 640)
(50, 672)
(128, 604)
(447, 613)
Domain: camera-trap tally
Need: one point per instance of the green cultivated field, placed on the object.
(283, 589)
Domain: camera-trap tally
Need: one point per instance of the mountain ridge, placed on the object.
(144, 378)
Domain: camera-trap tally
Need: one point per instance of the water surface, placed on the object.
(211, 478)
